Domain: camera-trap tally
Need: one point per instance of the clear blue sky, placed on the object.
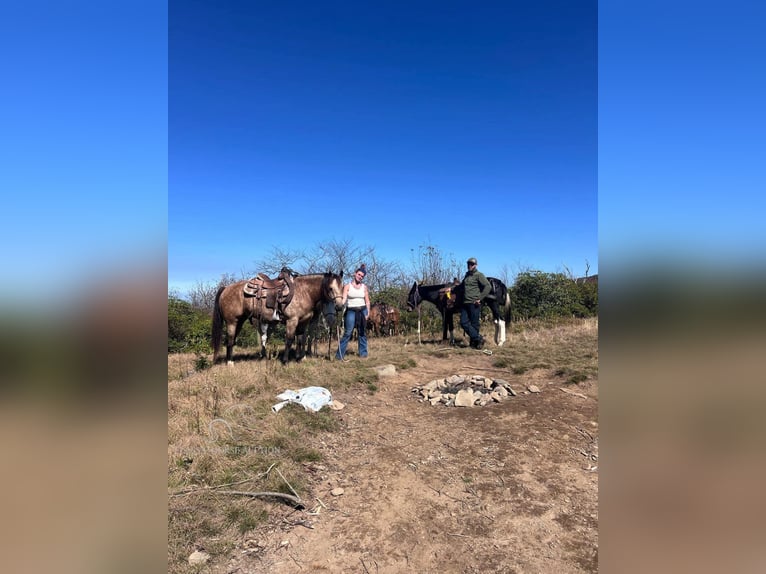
(83, 152)
(128, 134)
(472, 126)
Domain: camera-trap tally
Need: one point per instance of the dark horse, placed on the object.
(310, 293)
(448, 297)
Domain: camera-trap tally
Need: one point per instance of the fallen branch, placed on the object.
(288, 484)
(573, 393)
(289, 497)
(483, 368)
(207, 488)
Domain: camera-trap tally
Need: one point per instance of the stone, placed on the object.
(385, 370)
(337, 491)
(198, 557)
(464, 398)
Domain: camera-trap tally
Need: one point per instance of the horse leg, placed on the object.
(500, 332)
(450, 326)
(263, 327)
(232, 330)
(300, 342)
(290, 327)
(499, 323)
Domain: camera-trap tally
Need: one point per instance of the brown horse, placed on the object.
(383, 319)
(309, 292)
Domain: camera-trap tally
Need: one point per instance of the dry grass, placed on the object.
(221, 430)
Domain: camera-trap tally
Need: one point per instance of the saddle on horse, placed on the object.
(273, 294)
(448, 296)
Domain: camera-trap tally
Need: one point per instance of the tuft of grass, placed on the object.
(519, 370)
(409, 363)
(245, 519)
(576, 378)
(306, 455)
(502, 363)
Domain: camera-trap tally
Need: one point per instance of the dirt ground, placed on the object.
(509, 487)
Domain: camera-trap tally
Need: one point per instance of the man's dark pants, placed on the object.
(469, 320)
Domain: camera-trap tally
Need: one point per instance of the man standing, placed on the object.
(475, 288)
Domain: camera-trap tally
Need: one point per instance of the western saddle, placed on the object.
(273, 294)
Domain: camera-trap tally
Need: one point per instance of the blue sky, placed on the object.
(681, 133)
(83, 152)
(129, 133)
(469, 126)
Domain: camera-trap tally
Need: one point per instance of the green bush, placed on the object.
(188, 328)
(546, 295)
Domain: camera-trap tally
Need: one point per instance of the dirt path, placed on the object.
(510, 487)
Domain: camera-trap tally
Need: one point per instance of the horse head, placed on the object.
(332, 289)
(413, 297)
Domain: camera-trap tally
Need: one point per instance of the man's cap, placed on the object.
(472, 261)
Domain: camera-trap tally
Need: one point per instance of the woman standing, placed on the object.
(356, 295)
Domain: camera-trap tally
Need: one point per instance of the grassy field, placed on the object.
(223, 436)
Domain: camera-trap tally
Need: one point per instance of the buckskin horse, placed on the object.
(292, 300)
(448, 297)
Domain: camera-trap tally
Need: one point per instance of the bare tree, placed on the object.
(202, 295)
(278, 258)
(505, 275)
(430, 266)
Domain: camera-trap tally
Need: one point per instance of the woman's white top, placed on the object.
(356, 296)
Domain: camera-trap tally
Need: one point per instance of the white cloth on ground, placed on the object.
(310, 398)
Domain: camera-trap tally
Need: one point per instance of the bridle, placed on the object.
(329, 296)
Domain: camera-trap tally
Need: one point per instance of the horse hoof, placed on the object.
(229, 362)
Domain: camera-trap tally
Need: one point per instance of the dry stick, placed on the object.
(363, 564)
(482, 368)
(573, 393)
(288, 484)
(203, 488)
(289, 497)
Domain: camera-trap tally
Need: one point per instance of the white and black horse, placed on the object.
(448, 297)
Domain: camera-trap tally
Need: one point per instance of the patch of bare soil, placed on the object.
(508, 487)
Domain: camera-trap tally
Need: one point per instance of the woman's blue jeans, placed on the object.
(350, 323)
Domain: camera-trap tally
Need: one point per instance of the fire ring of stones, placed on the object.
(467, 391)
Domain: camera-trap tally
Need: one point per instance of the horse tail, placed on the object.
(217, 333)
(507, 306)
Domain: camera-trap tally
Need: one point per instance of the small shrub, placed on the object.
(201, 363)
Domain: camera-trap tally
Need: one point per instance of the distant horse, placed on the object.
(448, 297)
(383, 319)
(308, 293)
